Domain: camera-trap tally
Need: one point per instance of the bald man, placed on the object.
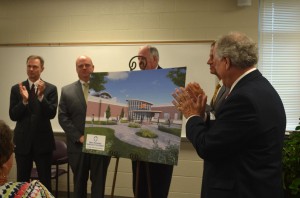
(71, 116)
(160, 174)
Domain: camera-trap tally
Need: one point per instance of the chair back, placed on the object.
(60, 154)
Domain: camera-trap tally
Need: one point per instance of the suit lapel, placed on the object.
(79, 93)
(220, 94)
(220, 97)
(244, 80)
(26, 84)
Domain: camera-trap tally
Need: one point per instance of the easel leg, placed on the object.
(115, 177)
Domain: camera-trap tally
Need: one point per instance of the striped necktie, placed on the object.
(213, 100)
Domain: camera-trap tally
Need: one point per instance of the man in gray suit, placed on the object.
(215, 103)
(71, 116)
(221, 91)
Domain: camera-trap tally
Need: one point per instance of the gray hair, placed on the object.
(153, 51)
(239, 48)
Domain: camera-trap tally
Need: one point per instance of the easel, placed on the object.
(115, 176)
(132, 66)
(137, 178)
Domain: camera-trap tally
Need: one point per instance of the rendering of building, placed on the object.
(134, 110)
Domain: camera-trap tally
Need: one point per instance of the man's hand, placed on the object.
(194, 90)
(24, 93)
(81, 139)
(188, 102)
(41, 88)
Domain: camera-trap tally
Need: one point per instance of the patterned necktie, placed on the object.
(213, 100)
(31, 99)
(32, 93)
(86, 91)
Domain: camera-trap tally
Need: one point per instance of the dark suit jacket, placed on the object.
(243, 147)
(33, 129)
(72, 114)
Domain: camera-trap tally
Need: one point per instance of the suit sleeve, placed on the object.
(66, 116)
(17, 109)
(49, 102)
(235, 124)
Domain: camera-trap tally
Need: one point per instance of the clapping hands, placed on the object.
(190, 100)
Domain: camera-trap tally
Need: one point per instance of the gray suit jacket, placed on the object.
(72, 114)
(71, 117)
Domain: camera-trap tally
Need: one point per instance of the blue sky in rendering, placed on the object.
(152, 86)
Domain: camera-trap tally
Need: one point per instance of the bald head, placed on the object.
(151, 57)
(84, 67)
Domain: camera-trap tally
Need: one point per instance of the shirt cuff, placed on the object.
(205, 117)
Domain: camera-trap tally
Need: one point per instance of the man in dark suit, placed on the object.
(160, 175)
(32, 104)
(71, 116)
(244, 145)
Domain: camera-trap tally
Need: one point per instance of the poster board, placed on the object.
(131, 115)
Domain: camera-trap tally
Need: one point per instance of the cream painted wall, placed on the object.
(60, 21)
(56, 21)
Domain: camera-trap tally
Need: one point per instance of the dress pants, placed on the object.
(43, 164)
(160, 178)
(84, 165)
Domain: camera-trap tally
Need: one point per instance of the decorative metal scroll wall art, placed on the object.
(142, 61)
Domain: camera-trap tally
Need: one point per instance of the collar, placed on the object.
(221, 83)
(242, 76)
(82, 82)
(35, 83)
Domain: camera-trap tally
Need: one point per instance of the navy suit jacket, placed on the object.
(33, 130)
(243, 147)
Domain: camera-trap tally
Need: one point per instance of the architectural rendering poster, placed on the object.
(131, 115)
